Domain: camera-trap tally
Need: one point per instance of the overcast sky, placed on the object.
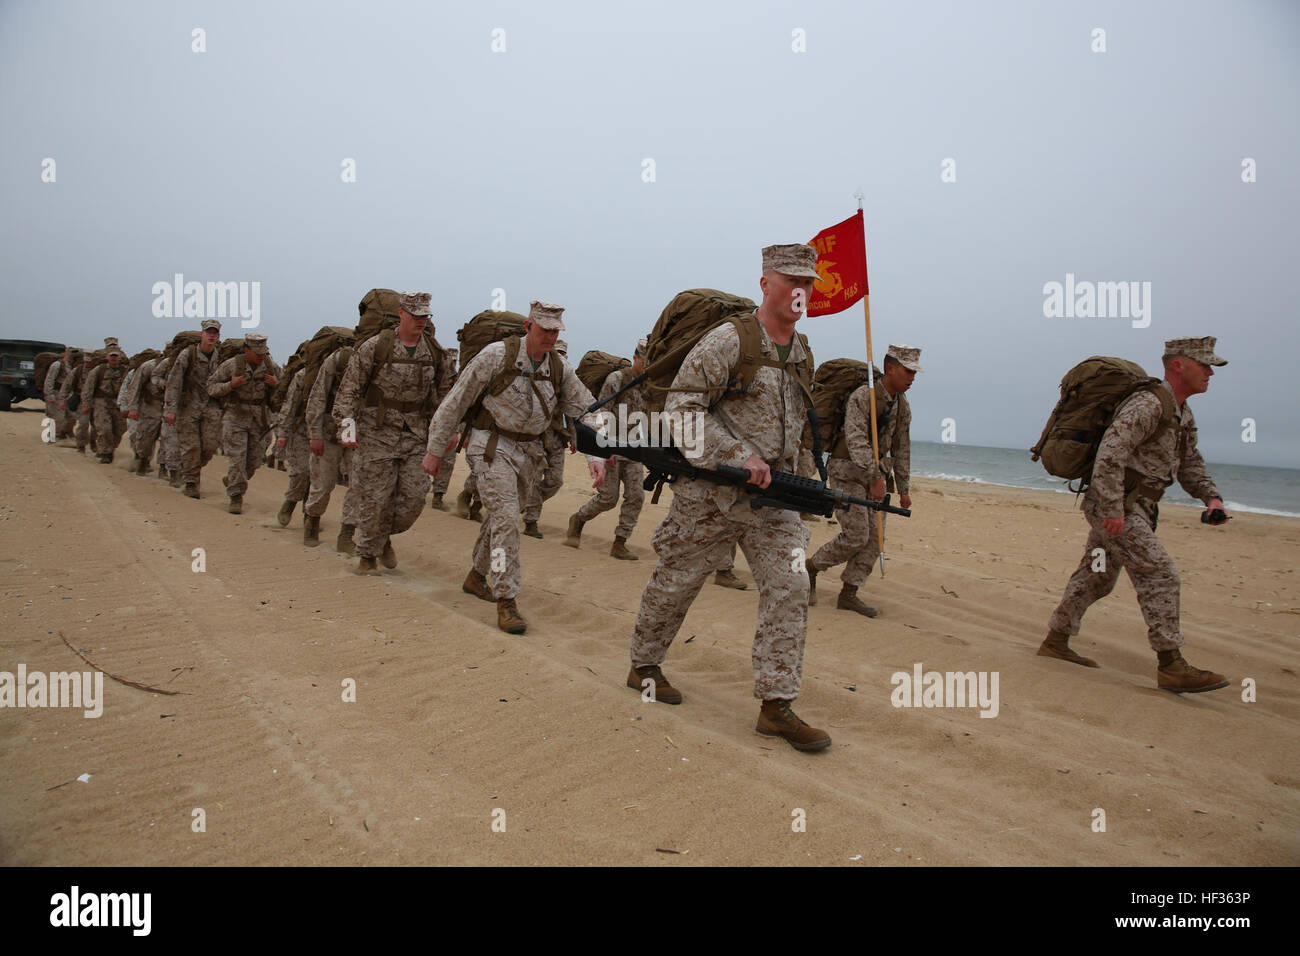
(524, 170)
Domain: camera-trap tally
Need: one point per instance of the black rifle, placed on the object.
(791, 492)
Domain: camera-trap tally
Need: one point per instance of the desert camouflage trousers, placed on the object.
(696, 539)
(169, 454)
(198, 433)
(323, 471)
(299, 466)
(629, 474)
(547, 480)
(82, 430)
(148, 425)
(496, 551)
(63, 421)
(389, 487)
(109, 424)
(857, 546)
(244, 441)
(1139, 552)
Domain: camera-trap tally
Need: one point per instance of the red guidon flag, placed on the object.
(842, 265)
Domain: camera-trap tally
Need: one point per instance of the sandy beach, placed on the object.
(454, 722)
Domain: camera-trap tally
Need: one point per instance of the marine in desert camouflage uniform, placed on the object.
(761, 430)
(438, 485)
(853, 469)
(550, 478)
(390, 399)
(169, 451)
(99, 395)
(58, 371)
(505, 447)
(327, 454)
(144, 407)
(629, 474)
(81, 415)
(188, 406)
(1136, 461)
(245, 381)
(123, 391)
(293, 438)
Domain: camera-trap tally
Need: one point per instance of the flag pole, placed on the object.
(871, 380)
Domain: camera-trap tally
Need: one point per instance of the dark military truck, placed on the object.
(18, 370)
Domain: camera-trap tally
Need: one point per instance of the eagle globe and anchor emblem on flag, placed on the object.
(829, 285)
(842, 266)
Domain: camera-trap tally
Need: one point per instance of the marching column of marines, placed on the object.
(391, 410)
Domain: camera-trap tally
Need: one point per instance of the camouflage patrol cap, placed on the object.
(209, 324)
(906, 356)
(547, 315)
(797, 259)
(561, 346)
(74, 353)
(111, 347)
(1201, 350)
(416, 303)
(257, 342)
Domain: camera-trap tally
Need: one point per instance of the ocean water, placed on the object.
(1246, 488)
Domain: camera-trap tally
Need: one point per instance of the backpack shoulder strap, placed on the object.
(509, 370)
(1168, 411)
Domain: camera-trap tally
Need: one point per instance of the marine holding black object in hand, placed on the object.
(1142, 452)
(758, 430)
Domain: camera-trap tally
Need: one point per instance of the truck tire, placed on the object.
(6, 397)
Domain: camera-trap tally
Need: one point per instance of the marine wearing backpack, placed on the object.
(510, 400)
(388, 391)
(1091, 393)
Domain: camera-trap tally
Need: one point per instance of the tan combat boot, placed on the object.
(619, 550)
(664, 693)
(776, 719)
(367, 566)
(389, 558)
(344, 544)
(1181, 677)
(236, 506)
(573, 536)
(727, 579)
(1057, 645)
(174, 479)
(508, 618)
(462, 504)
(436, 502)
(477, 585)
(142, 467)
(849, 601)
(531, 529)
(285, 513)
(191, 490)
(311, 530)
